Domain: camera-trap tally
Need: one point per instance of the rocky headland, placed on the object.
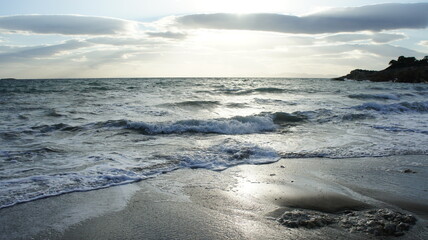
(404, 69)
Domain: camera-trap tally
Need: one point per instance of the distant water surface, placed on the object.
(65, 135)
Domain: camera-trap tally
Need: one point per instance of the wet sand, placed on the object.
(242, 202)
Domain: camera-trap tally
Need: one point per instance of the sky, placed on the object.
(198, 38)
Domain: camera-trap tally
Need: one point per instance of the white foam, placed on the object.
(228, 153)
(217, 157)
(236, 125)
(16, 190)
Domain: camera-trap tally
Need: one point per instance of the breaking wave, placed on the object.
(43, 186)
(375, 96)
(263, 122)
(217, 157)
(417, 107)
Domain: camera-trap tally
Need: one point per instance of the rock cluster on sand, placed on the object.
(306, 219)
(379, 222)
(405, 69)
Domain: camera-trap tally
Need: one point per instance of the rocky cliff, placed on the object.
(404, 69)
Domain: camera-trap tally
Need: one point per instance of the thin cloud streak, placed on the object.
(376, 37)
(26, 53)
(66, 25)
(168, 34)
(121, 41)
(367, 18)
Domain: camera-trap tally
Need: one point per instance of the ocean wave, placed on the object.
(420, 88)
(228, 153)
(274, 101)
(343, 153)
(240, 91)
(423, 93)
(55, 127)
(287, 118)
(237, 105)
(375, 96)
(195, 104)
(235, 125)
(357, 116)
(32, 154)
(259, 123)
(263, 122)
(15, 191)
(269, 90)
(54, 113)
(402, 107)
(220, 156)
(321, 115)
(399, 129)
(96, 88)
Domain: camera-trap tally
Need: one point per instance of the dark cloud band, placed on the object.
(24, 53)
(65, 24)
(367, 18)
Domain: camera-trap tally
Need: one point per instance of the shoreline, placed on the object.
(241, 202)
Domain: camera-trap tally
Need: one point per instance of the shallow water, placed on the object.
(65, 135)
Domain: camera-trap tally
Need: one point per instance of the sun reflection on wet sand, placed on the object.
(286, 190)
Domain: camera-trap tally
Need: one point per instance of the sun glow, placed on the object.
(241, 6)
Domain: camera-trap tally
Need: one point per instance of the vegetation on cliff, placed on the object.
(404, 69)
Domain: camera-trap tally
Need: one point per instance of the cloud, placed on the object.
(363, 50)
(120, 41)
(168, 34)
(367, 18)
(4, 48)
(423, 43)
(26, 53)
(374, 37)
(387, 50)
(66, 24)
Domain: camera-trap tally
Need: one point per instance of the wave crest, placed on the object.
(235, 125)
(417, 107)
(375, 96)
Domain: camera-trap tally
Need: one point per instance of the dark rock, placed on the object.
(379, 222)
(403, 227)
(305, 219)
(389, 229)
(409, 219)
(348, 212)
(404, 69)
(409, 171)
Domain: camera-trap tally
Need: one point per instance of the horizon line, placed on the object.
(74, 78)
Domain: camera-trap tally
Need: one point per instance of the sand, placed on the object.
(289, 199)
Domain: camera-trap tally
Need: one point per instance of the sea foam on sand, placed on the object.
(289, 199)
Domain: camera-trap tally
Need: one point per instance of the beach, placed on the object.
(212, 158)
(241, 202)
(213, 120)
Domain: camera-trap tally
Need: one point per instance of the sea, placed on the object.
(67, 135)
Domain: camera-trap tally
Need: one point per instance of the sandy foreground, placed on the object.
(290, 199)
